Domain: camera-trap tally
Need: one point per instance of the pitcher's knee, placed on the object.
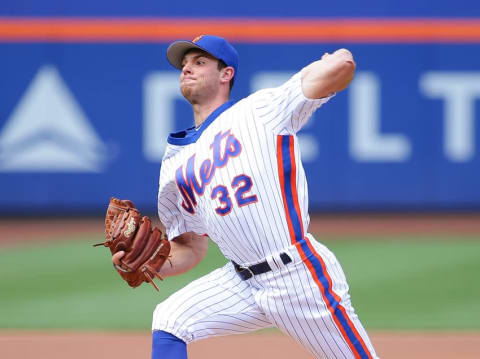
(166, 319)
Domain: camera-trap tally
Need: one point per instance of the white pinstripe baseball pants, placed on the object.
(310, 305)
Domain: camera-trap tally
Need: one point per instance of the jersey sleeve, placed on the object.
(168, 211)
(175, 220)
(285, 109)
(170, 216)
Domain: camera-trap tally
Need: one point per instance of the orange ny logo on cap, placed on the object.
(197, 38)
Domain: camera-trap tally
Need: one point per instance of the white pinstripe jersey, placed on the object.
(224, 179)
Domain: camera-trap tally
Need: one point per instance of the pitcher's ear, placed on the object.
(227, 73)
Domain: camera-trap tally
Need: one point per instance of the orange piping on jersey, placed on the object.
(293, 181)
(282, 187)
(306, 250)
(337, 298)
(248, 30)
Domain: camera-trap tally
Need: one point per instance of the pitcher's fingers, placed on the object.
(117, 256)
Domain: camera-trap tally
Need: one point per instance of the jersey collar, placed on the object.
(191, 135)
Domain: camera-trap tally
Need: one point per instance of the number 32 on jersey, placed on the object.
(224, 147)
(242, 185)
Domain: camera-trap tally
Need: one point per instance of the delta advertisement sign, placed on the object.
(80, 122)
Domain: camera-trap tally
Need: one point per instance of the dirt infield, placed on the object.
(26, 345)
(332, 225)
(14, 230)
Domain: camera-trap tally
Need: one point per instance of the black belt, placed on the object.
(259, 268)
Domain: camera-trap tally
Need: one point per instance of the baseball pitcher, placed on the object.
(236, 177)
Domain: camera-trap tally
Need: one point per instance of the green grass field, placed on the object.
(396, 283)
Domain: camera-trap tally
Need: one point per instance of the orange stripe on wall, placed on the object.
(310, 30)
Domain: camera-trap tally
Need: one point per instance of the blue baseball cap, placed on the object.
(216, 46)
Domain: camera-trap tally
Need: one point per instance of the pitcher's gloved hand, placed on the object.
(146, 248)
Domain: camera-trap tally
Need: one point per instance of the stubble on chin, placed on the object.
(187, 92)
(191, 94)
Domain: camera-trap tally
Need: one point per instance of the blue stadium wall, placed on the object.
(83, 119)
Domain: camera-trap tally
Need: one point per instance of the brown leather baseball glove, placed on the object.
(146, 247)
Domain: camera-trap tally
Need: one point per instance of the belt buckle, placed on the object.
(249, 271)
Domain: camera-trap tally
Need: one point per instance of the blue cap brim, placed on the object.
(177, 50)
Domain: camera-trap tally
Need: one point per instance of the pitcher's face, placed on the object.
(200, 77)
